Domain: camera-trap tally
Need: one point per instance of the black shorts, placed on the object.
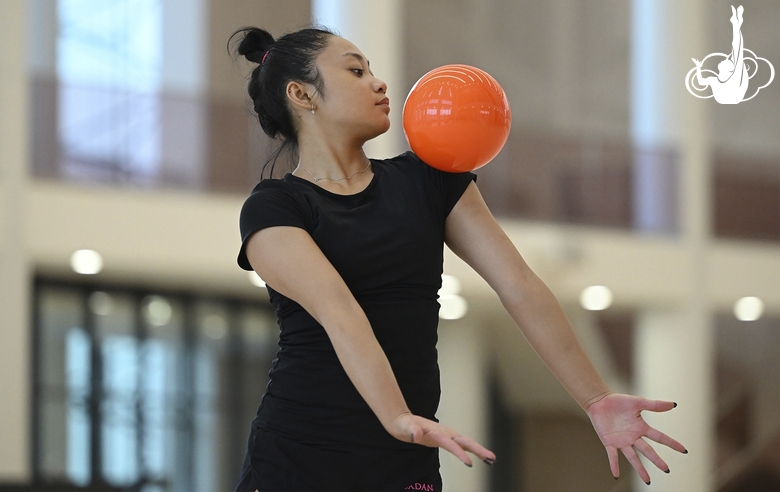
(277, 463)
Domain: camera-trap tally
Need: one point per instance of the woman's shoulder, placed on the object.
(273, 192)
(273, 184)
(284, 186)
(407, 157)
(407, 163)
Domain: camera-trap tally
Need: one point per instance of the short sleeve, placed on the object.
(450, 186)
(272, 203)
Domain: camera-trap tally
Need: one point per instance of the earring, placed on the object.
(312, 109)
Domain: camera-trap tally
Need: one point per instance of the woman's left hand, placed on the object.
(619, 424)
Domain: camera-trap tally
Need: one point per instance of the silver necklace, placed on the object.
(316, 179)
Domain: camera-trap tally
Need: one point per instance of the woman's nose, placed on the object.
(380, 86)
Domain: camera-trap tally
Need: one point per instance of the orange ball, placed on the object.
(456, 118)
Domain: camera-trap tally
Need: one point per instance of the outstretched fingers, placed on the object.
(619, 424)
(424, 432)
(451, 445)
(647, 450)
(475, 448)
(656, 435)
(633, 458)
(662, 438)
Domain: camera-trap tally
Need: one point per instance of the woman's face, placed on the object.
(354, 99)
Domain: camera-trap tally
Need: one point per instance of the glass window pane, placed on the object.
(109, 59)
(212, 322)
(164, 391)
(64, 387)
(78, 375)
(115, 320)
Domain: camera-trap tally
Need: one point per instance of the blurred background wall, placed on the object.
(125, 131)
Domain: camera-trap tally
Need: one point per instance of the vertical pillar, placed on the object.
(14, 272)
(376, 28)
(464, 398)
(675, 345)
(673, 361)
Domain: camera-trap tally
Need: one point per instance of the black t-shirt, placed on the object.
(387, 243)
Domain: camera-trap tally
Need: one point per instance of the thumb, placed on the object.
(658, 405)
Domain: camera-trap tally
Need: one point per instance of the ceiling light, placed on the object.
(86, 262)
(749, 309)
(158, 311)
(596, 298)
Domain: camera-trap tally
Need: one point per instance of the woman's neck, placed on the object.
(328, 162)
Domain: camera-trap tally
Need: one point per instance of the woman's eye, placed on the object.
(358, 71)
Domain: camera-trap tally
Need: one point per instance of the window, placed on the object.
(109, 66)
(149, 390)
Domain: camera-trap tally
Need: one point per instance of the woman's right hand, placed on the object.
(418, 430)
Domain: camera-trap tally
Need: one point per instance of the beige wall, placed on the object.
(15, 281)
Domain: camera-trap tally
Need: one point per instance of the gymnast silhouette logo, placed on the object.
(735, 70)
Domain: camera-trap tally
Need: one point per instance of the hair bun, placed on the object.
(254, 44)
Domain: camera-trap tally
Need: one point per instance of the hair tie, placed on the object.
(265, 56)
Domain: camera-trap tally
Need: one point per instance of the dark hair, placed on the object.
(289, 58)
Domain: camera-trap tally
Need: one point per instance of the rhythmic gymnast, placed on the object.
(351, 249)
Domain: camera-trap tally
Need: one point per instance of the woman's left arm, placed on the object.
(473, 234)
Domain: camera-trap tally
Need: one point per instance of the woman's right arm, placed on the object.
(289, 260)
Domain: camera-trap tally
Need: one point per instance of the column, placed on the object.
(376, 28)
(674, 361)
(674, 351)
(464, 398)
(14, 272)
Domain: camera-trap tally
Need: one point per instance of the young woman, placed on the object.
(351, 249)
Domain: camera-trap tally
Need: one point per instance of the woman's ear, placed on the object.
(298, 95)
